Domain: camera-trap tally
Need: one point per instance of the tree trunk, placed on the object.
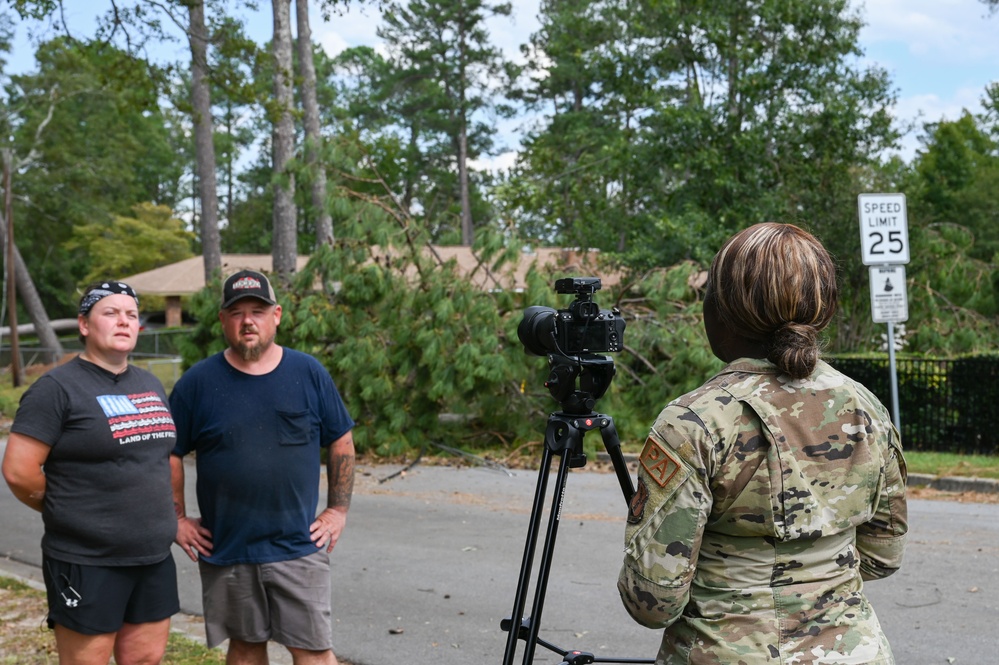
(313, 138)
(231, 130)
(284, 248)
(467, 232)
(28, 295)
(204, 147)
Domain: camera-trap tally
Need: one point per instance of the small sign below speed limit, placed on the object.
(884, 229)
(889, 302)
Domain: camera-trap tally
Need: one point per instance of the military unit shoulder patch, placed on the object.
(658, 462)
(636, 507)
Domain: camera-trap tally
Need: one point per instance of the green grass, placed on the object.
(25, 640)
(183, 651)
(952, 464)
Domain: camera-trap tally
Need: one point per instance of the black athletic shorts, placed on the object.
(94, 600)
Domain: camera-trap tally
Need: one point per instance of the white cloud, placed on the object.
(358, 26)
(500, 162)
(932, 108)
(921, 109)
(355, 27)
(946, 31)
(333, 44)
(941, 54)
(509, 32)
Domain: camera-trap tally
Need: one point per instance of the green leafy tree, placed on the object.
(438, 88)
(591, 80)
(953, 275)
(368, 109)
(238, 114)
(95, 142)
(953, 305)
(6, 35)
(957, 181)
(247, 228)
(667, 126)
(149, 238)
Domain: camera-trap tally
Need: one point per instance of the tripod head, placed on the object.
(593, 372)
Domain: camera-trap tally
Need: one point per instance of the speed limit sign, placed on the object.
(884, 229)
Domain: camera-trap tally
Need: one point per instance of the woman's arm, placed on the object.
(881, 542)
(22, 469)
(663, 537)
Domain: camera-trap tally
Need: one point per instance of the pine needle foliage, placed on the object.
(418, 352)
(666, 353)
(424, 352)
(421, 353)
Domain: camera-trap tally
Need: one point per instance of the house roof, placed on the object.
(187, 277)
(574, 261)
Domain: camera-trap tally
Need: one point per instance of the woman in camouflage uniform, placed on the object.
(766, 496)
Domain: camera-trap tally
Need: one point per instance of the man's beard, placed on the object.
(251, 353)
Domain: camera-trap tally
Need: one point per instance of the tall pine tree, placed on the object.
(444, 81)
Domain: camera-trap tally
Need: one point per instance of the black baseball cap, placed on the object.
(247, 284)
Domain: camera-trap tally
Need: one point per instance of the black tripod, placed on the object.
(563, 437)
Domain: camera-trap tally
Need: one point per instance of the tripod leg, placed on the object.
(546, 560)
(608, 432)
(517, 620)
(567, 440)
(564, 435)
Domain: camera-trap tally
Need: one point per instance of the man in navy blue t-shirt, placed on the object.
(257, 415)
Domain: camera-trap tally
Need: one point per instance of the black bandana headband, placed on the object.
(103, 290)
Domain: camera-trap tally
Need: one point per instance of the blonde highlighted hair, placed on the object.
(775, 284)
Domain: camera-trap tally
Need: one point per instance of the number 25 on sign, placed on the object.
(884, 229)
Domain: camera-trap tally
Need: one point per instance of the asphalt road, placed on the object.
(429, 564)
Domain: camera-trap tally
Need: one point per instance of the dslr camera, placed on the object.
(581, 328)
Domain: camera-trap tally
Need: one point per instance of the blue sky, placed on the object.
(941, 54)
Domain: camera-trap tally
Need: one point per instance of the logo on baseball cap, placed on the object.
(247, 284)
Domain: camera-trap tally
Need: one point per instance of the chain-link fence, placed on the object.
(155, 350)
(944, 405)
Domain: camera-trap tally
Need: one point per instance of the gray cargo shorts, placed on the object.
(285, 601)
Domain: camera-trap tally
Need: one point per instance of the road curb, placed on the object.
(953, 483)
(942, 483)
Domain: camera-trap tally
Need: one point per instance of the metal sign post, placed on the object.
(890, 304)
(884, 239)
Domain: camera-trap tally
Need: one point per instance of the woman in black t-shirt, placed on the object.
(89, 449)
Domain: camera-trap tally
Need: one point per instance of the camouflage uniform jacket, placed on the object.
(762, 503)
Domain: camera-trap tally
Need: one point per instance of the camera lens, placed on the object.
(537, 330)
